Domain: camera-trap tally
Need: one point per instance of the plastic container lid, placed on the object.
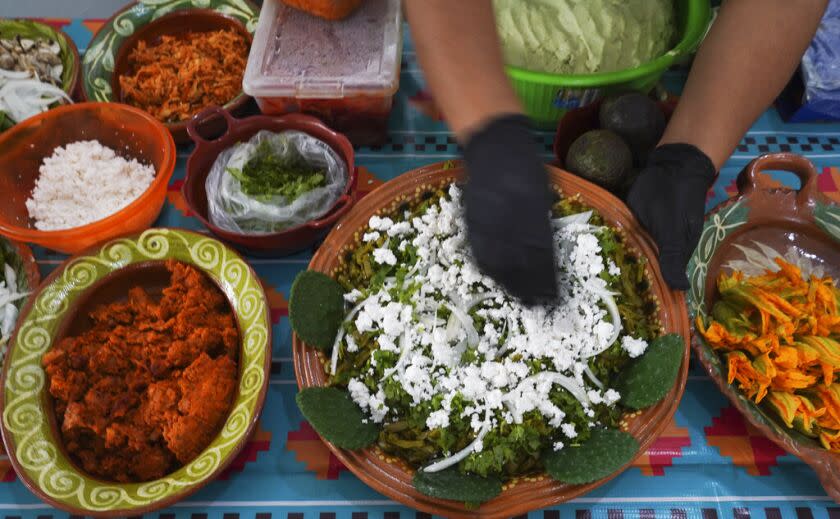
(295, 54)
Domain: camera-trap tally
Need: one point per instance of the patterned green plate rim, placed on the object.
(757, 206)
(27, 431)
(98, 61)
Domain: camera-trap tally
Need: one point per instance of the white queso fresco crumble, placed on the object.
(425, 321)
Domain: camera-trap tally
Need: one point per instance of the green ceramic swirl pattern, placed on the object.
(717, 227)
(27, 421)
(98, 61)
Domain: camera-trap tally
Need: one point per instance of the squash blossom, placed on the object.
(779, 337)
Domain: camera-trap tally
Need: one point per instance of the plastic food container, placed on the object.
(546, 97)
(329, 9)
(343, 72)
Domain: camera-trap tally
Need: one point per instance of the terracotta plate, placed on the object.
(393, 478)
(802, 223)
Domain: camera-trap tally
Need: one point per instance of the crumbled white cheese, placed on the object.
(569, 430)
(430, 349)
(370, 236)
(384, 255)
(633, 347)
(612, 396)
(83, 182)
(353, 295)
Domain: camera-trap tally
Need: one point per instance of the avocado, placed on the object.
(600, 156)
(637, 119)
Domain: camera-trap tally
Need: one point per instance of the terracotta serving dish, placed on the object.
(129, 131)
(148, 21)
(783, 219)
(575, 123)
(60, 308)
(393, 478)
(206, 150)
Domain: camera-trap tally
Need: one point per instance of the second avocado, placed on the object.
(602, 157)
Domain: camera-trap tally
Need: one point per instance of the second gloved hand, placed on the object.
(669, 199)
(507, 204)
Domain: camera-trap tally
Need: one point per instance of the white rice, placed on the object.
(84, 182)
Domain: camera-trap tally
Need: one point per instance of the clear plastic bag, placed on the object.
(821, 65)
(233, 210)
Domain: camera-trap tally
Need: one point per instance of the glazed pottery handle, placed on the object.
(203, 117)
(749, 180)
(342, 206)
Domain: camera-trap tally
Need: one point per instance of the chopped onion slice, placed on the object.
(567, 383)
(591, 376)
(399, 367)
(581, 218)
(466, 322)
(615, 317)
(14, 74)
(340, 336)
(445, 463)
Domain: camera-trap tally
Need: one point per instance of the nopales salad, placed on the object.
(451, 374)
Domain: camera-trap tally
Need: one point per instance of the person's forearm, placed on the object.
(459, 51)
(747, 58)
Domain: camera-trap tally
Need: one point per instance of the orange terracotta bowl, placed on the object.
(129, 131)
(394, 478)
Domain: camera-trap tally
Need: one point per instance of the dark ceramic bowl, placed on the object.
(803, 223)
(59, 308)
(202, 158)
(141, 21)
(575, 123)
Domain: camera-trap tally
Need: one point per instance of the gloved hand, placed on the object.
(507, 204)
(669, 199)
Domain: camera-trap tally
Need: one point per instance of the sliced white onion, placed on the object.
(567, 383)
(14, 74)
(445, 463)
(399, 367)
(10, 314)
(480, 299)
(10, 276)
(615, 317)
(466, 322)
(577, 218)
(592, 378)
(340, 335)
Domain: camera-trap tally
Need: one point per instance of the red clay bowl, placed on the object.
(393, 478)
(575, 123)
(202, 158)
(804, 220)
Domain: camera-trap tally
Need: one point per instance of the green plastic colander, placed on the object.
(546, 97)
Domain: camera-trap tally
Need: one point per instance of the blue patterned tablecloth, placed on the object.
(709, 464)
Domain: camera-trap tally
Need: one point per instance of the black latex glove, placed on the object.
(507, 203)
(669, 199)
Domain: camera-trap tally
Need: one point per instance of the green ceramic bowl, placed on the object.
(804, 227)
(69, 53)
(103, 60)
(28, 425)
